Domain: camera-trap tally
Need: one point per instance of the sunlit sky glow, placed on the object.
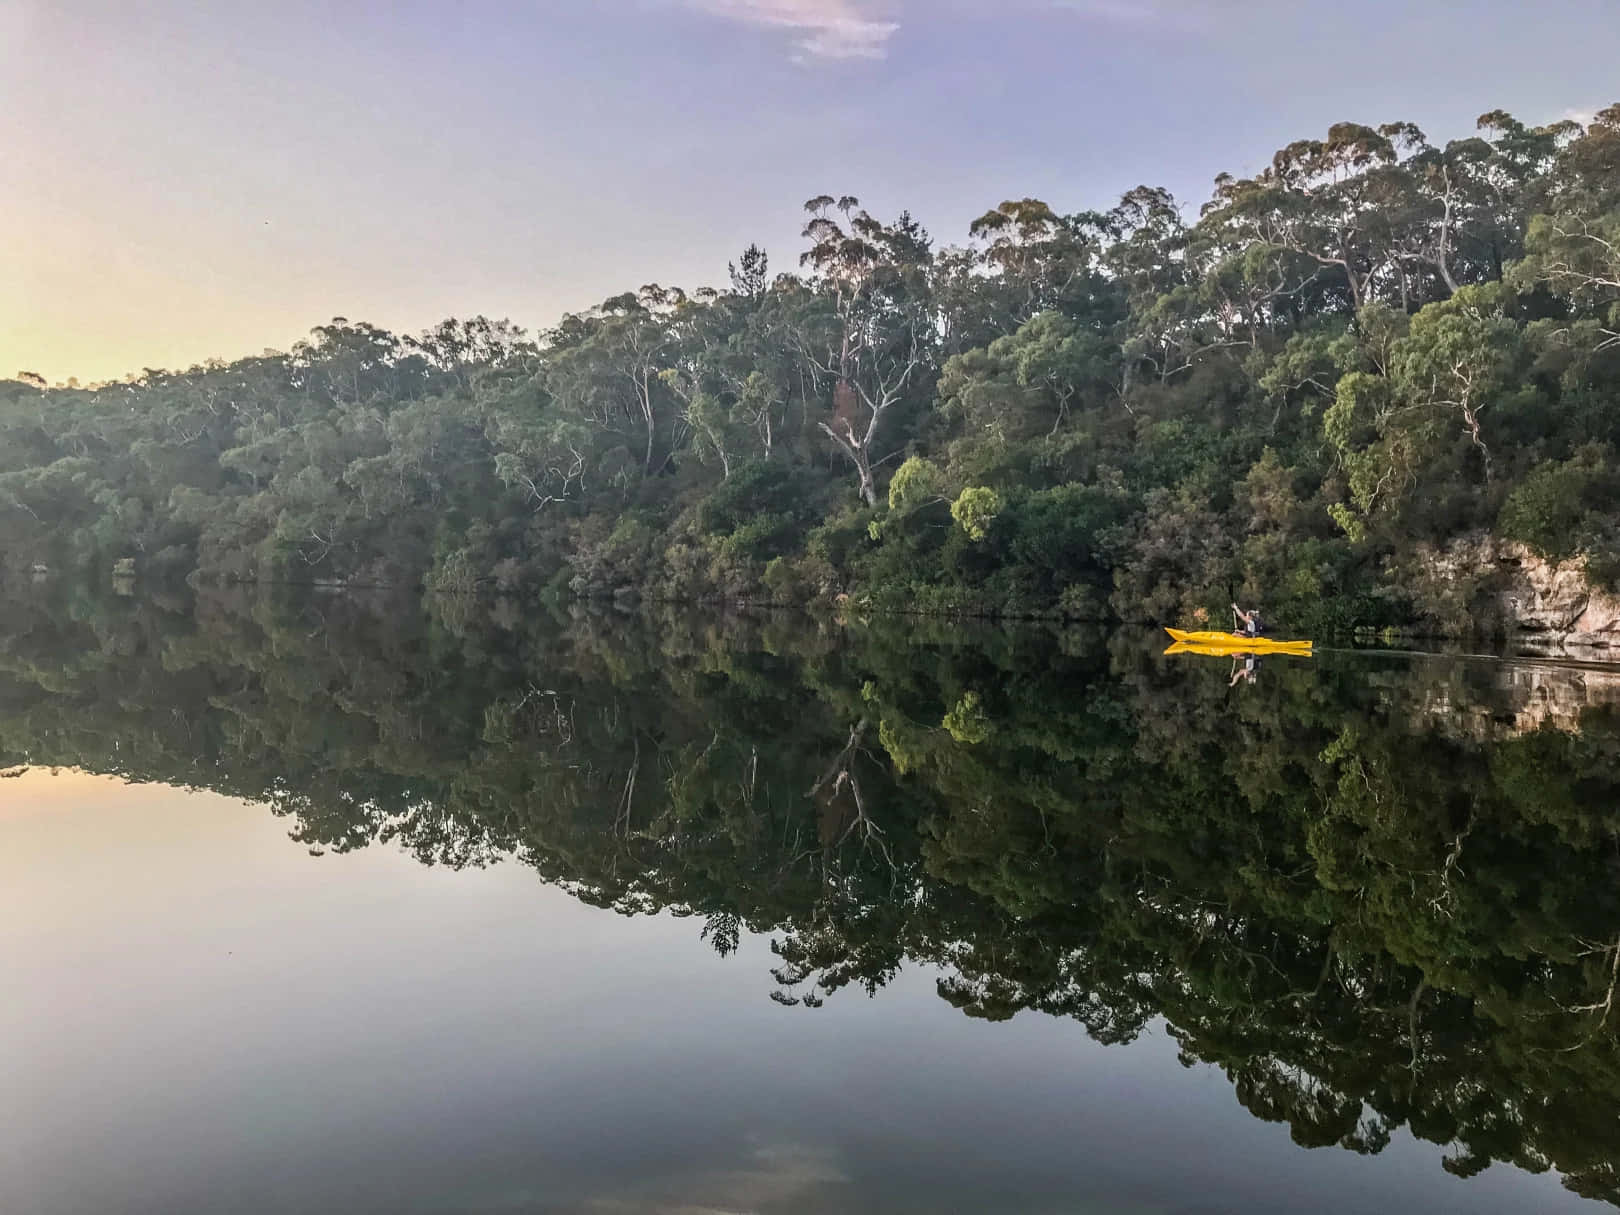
(184, 181)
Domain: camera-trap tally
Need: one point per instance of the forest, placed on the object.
(1392, 906)
(1296, 397)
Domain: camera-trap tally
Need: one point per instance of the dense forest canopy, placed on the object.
(1378, 894)
(1373, 347)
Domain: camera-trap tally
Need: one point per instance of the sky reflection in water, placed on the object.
(202, 1017)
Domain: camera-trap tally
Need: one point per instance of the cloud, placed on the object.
(1156, 13)
(863, 29)
(822, 29)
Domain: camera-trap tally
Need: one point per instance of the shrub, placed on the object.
(975, 510)
(1557, 509)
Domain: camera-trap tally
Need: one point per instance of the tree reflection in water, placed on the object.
(1376, 893)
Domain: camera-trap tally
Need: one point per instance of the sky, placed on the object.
(186, 179)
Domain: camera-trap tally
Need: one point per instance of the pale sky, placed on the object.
(186, 179)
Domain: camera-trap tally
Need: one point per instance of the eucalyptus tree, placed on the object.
(868, 333)
(350, 363)
(604, 367)
(1573, 246)
(1326, 201)
(1039, 261)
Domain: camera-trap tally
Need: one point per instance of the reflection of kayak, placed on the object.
(1231, 643)
(1299, 649)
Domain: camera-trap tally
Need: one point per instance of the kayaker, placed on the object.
(1248, 623)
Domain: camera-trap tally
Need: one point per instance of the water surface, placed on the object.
(349, 907)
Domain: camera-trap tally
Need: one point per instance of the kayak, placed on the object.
(1232, 643)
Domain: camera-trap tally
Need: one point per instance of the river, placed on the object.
(347, 905)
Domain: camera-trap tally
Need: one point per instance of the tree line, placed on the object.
(1297, 396)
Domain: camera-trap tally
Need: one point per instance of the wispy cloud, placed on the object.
(821, 29)
(1157, 13)
(863, 29)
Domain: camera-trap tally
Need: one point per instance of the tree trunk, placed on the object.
(858, 457)
(644, 399)
(868, 486)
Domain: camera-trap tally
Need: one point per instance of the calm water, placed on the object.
(350, 907)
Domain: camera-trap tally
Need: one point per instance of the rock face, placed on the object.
(1553, 605)
(1549, 606)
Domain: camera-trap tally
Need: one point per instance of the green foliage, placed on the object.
(455, 573)
(975, 509)
(1372, 349)
(915, 483)
(1561, 507)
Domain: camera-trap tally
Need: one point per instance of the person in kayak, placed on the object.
(1248, 623)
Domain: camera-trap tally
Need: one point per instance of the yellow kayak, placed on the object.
(1231, 643)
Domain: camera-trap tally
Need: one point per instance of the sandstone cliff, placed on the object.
(1548, 607)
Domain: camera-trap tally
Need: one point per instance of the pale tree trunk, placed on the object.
(859, 448)
(1356, 291)
(1442, 259)
(644, 395)
(715, 441)
(858, 455)
(868, 486)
